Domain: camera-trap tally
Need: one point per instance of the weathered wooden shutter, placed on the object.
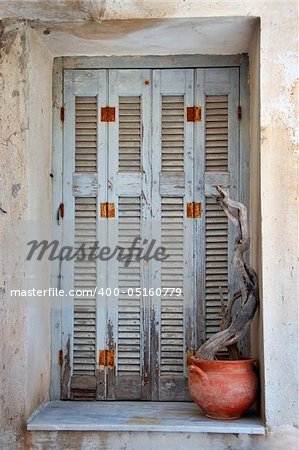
(172, 315)
(85, 276)
(85, 281)
(84, 95)
(130, 191)
(151, 163)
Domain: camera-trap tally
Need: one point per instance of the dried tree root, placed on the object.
(232, 330)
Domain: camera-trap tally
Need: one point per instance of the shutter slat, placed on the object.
(172, 275)
(216, 267)
(130, 135)
(129, 310)
(216, 224)
(85, 278)
(86, 113)
(173, 131)
(216, 133)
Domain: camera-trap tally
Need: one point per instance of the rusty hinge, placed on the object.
(62, 113)
(60, 357)
(107, 210)
(106, 358)
(239, 112)
(193, 210)
(193, 113)
(107, 114)
(60, 212)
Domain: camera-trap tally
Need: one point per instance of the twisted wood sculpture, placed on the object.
(234, 328)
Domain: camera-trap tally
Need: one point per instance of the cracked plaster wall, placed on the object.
(25, 195)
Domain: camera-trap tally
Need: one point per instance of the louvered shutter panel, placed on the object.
(216, 133)
(172, 277)
(84, 95)
(216, 263)
(173, 133)
(129, 134)
(129, 190)
(220, 167)
(83, 382)
(86, 134)
(216, 226)
(129, 307)
(172, 335)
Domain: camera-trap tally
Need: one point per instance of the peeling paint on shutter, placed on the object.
(173, 133)
(173, 145)
(129, 134)
(129, 307)
(129, 189)
(86, 134)
(85, 280)
(153, 162)
(172, 276)
(216, 263)
(216, 133)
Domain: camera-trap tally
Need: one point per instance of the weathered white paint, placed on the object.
(275, 248)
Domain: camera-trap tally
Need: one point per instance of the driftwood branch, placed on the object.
(233, 329)
(226, 318)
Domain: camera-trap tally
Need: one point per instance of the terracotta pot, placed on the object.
(223, 389)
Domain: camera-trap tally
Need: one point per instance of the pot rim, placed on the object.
(245, 360)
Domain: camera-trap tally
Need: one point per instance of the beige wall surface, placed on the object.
(25, 149)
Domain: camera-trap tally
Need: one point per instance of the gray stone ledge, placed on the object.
(136, 416)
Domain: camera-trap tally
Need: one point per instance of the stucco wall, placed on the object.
(14, 200)
(150, 441)
(25, 147)
(25, 190)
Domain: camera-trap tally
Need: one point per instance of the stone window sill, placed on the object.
(136, 416)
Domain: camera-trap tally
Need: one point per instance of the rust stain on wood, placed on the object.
(239, 113)
(62, 114)
(60, 357)
(61, 210)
